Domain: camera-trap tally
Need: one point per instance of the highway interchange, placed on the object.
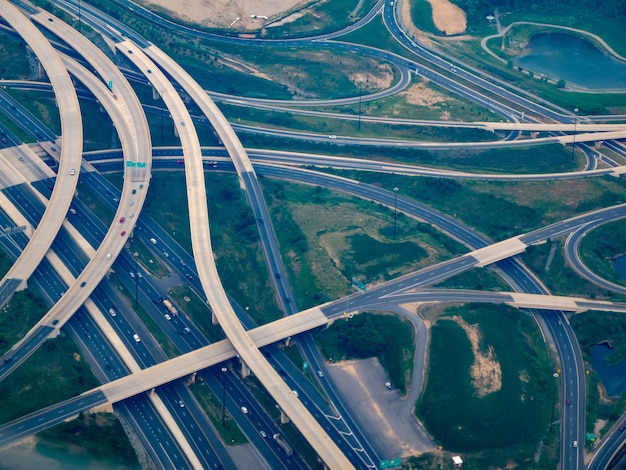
(160, 413)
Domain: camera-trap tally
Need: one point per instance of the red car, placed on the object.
(122, 219)
(123, 233)
(568, 402)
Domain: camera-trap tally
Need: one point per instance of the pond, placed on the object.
(619, 264)
(613, 377)
(573, 59)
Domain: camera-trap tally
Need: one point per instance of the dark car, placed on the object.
(568, 402)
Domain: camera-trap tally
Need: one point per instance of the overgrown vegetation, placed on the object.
(489, 384)
(601, 246)
(19, 315)
(55, 372)
(212, 406)
(388, 337)
(98, 434)
(549, 263)
(329, 238)
(520, 206)
(234, 239)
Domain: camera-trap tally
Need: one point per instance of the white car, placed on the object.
(167, 316)
(575, 444)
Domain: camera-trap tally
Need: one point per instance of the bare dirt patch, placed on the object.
(486, 371)
(246, 14)
(448, 17)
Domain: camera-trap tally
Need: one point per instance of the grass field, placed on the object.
(55, 372)
(388, 337)
(520, 206)
(492, 389)
(19, 315)
(100, 435)
(591, 328)
(558, 277)
(601, 246)
(235, 243)
(212, 406)
(330, 238)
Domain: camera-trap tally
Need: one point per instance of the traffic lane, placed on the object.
(42, 419)
(152, 432)
(183, 411)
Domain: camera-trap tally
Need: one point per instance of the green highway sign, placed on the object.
(383, 464)
(130, 164)
(141, 164)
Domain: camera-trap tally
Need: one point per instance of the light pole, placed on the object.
(359, 126)
(135, 255)
(556, 376)
(224, 370)
(395, 210)
(574, 140)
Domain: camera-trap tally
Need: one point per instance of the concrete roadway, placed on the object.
(572, 254)
(112, 243)
(207, 271)
(72, 131)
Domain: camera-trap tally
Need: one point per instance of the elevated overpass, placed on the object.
(201, 241)
(71, 153)
(127, 114)
(186, 364)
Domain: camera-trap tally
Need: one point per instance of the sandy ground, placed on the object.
(223, 13)
(448, 17)
(248, 14)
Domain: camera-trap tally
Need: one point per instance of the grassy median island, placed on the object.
(489, 386)
(592, 328)
(548, 262)
(390, 338)
(520, 206)
(601, 246)
(327, 238)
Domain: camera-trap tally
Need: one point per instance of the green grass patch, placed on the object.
(235, 243)
(422, 17)
(506, 405)
(95, 434)
(325, 237)
(549, 263)
(55, 372)
(42, 105)
(212, 406)
(198, 311)
(388, 337)
(601, 246)
(476, 279)
(520, 206)
(591, 328)
(19, 315)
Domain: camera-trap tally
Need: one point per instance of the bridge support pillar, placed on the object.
(214, 320)
(155, 94)
(534, 134)
(175, 131)
(288, 341)
(245, 370)
(192, 379)
(23, 285)
(284, 419)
